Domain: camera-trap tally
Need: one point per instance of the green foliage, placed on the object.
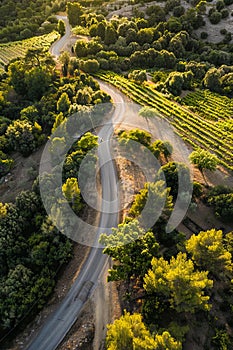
(221, 340)
(139, 76)
(74, 12)
(136, 135)
(157, 200)
(212, 80)
(110, 36)
(5, 164)
(72, 193)
(215, 17)
(18, 49)
(80, 150)
(37, 82)
(31, 252)
(159, 148)
(177, 81)
(19, 21)
(81, 48)
(171, 171)
(204, 160)
(61, 27)
(90, 66)
(192, 127)
(147, 113)
(208, 251)
(63, 104)
(185, 291)
(130, 333)
(30, 113)
(223, 206)
(23, 136)
(132, 247)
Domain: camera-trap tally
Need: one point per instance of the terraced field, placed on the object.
(18, 49)
(198, 129)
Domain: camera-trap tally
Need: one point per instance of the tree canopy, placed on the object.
(179, 283)
(130, 333)
(208, 251)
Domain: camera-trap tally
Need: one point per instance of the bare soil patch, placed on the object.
(22, 175)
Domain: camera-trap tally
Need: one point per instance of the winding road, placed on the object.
(60, 322)
(57, 47)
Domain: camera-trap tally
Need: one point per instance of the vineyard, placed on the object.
(18, 49)
(196, 129)
(209, 105)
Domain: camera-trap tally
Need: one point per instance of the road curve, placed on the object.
(57, 47)
(60, 322)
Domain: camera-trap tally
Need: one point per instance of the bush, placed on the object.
(228, 2)
(204, 35)
(223, 31)
(224, 13)
(215, 17)
(90, 66)
(197, 189)
(178, 11)
(220, 5)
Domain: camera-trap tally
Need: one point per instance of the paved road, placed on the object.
(57, 47)
(60, 322)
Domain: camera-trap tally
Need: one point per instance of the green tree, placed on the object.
(61, 27)
(30, 113)
(212, 80)
(37, 81)
(74, 12)
(63, 103)
(132, 247)
(223, 206)
(157, 200)
(203, 160)
(166, 341)
(110, 36)
(208, 251)
(130, 333)
(72, 193)
(64, 58)
(90, 66)
(174, 173)
(58, 121)
(81, 48)
(174, 83)
(23, 136)
(145, 35)
(87, 142)
(139, 76)
(100, 31)
(16, 73)
(5, 164)
(39, 58)
(147, 113)
(159, 148)
(179, 283)
(136, 135)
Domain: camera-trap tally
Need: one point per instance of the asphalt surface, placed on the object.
(57, 47)
(60, 322)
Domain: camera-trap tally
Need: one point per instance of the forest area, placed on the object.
(174, 58)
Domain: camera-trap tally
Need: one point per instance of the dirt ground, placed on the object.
(22, 175)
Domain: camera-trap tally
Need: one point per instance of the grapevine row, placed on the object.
(200, 132)
(18, 49)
